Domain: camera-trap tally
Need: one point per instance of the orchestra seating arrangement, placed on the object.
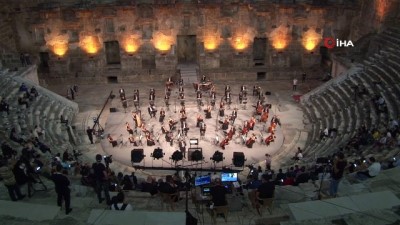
(346, 103)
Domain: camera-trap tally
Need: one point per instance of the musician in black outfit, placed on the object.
(182, 147)
(162, 116)
(62, 183)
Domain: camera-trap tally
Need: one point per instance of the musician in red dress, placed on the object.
(269, 139)
(252, 123)
(224, 143)
(251, 141)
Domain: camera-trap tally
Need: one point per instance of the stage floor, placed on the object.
(115, 125)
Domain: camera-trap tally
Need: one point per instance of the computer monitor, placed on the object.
(229, 177)
(206, 191)
(202, 180)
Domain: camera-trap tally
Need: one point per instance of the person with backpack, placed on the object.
(118, 203)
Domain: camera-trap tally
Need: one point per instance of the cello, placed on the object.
(250, 141)
(264, 117)
(223, 143)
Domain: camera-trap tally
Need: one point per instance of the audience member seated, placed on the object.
(265, 190)
(63, 120)
(126, 183)
(150, 185)
(8, 152)
(23, 101)
(218, 193)
(372, 171)
(302, 176)
(34, 92)
(37, 132)
(169, 187)
(119, 203)
(299, 154)
(4, 107)
(23, 88)
(14, 136)
(280, 177)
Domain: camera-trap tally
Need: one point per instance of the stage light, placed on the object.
(90, 44)
(137, 155)
(238, 159)
(197, 155)
(311, 39)
(177, 156)
(157, 153)
(218, 156)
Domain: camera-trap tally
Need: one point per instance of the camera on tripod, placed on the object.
(107, 159)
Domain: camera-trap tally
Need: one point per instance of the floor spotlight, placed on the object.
(218, 156)
(157, 153)
(177, 156)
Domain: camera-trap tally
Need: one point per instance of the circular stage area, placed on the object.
(207, 146)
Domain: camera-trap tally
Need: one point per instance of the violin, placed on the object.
(259, 109)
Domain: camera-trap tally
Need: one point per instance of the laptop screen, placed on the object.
(229, 177)
(206, 191)
(202, 180)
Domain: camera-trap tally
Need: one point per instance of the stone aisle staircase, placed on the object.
(188, 73)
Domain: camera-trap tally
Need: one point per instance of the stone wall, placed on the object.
(224, 35)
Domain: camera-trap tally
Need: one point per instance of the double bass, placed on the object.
(251, 141)
(269, 139)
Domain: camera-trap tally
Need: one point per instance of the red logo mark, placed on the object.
(329, 42)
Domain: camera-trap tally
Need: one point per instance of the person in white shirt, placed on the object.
(120, 204)
(372, 171)
(295, 84)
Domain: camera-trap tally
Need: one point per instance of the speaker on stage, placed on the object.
(238, 159)
(195, 154)
(113, 110)
(137, 155)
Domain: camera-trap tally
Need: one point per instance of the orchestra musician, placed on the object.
(166, 100)
(241, 97)
(183, 110)
(269, 139)
(271, 128)
(264, 115)
(169, 137)
(221, 109)
(183, 116)
(213, 98)
(136, 99)
(181, 89)
(121, 93)
(169, 83)
(228, 98)
(233, 116)
(231, 133)
(225, 123)
(184, 127)
(150, 140)
(182, 147)
(259, 107)
(172, 124)
(181, 82)
(111, 140)
(245, 129)
(203, 128)
(163, 129)
(227, 89)
(132, 140)
(199, 96)
(275, 119)
(203, 79)
(162, 115)
(124, 103)
(251, 123)
(243, 89)
(152, 94)
(136, 116)
(224, 143)
(182, 98)
(152, 110)
(128, 128)
(208, 112)
(199, 120)
(251, 141)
